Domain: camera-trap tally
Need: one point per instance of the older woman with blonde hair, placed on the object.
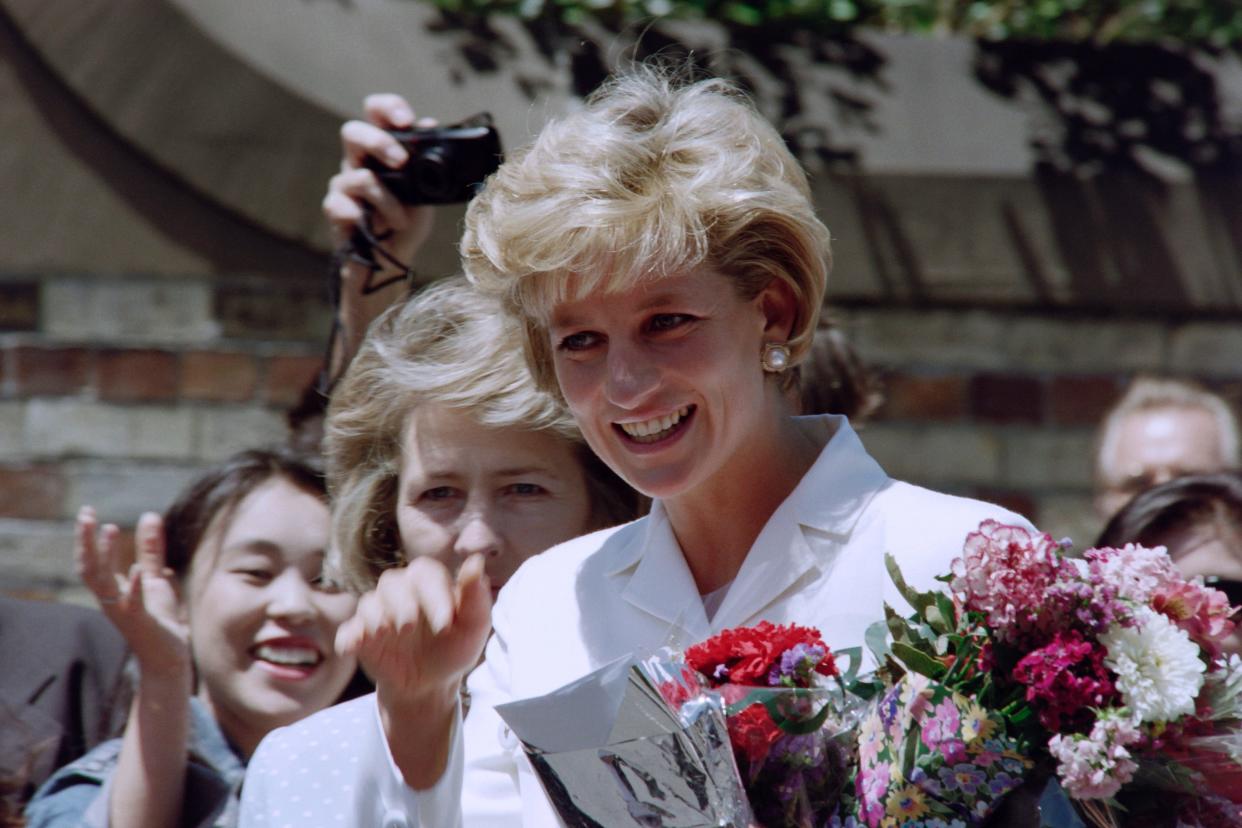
(661, 252)
(437, 379)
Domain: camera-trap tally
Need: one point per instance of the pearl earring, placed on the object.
(775, 357)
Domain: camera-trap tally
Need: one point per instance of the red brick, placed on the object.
(50, 371)
(288, 376)
(1003, 398)
(137, 376)
(1082, 400)
(1020, 502)
(32, 492)
(218, 376)
(938, 398)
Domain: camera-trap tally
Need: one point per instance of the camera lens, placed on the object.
(434, 180)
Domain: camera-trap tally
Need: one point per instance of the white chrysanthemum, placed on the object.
(1159, 672)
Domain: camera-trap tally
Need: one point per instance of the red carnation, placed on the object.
(747, 655)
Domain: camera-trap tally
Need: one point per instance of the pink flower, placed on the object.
(871, 787)
(1005, 573)
(1204, 613)
(1136, 571)
(943, 726)
(1064, 679)
(1084, 594)
(1095, 766)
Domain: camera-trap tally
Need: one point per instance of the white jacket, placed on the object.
(819, 561)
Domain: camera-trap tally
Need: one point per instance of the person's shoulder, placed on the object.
(54, 627)
(334, 729)
(92, 768)
(928, 512)
(925, 530)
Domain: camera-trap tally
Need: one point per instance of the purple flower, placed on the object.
(1003, 783)
(963, 777)
(796, 665)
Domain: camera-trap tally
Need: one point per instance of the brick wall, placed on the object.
(996, 404)
(1003, 404)
(117, 392)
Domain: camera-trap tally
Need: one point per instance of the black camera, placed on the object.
(447, 164)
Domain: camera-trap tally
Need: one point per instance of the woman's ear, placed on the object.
(779, 306)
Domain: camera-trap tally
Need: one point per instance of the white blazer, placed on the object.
(819, 561)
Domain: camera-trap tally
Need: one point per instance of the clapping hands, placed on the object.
(143, 603)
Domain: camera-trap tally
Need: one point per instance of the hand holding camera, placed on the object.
(356, 195)
(395, 164)
(444, 165)
(393, 167)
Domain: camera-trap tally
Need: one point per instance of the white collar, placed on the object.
(830, 498)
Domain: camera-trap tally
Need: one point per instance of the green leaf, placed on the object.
(876, 639)
(918, 661)
(919, 600)
(945, 604)
(777, 705)
(937, 621)
(913, 737)
(854, 655)
(898, 627)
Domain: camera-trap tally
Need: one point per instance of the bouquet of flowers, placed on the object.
(790, 712)
(752, 728)
(1105, 670)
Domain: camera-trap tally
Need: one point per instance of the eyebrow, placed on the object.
(260, 545)
(447, 474)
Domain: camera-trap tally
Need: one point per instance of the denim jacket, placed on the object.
(77, 795)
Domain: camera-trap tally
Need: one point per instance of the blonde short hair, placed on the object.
(1149, 393)
(451, 346)
(653, 176)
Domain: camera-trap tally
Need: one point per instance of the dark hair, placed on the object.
(613, 501)
(1154, 516)
(835, 380)
(218, 492)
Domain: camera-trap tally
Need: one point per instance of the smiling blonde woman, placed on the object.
(661, 253)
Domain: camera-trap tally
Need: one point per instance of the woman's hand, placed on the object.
(143, 603)
(418, 634)
(420, 630)
(355, 189)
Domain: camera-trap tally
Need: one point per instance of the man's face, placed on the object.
(1153, 447)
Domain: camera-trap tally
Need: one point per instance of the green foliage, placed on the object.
(1216, 23)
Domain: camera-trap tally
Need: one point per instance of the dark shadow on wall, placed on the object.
(1115, 123)
(231, 243)
(770, 62)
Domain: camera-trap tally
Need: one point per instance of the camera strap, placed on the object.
(364, 247)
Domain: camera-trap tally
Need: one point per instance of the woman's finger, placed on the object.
(135, 600)
(109, 548)
(360, 139)
(388, 110)
(434, 592)
(361, 185)
(364, 627)
(474, 595)
(102, 566)
(84, 530)
(342, 212)
(149, 539)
